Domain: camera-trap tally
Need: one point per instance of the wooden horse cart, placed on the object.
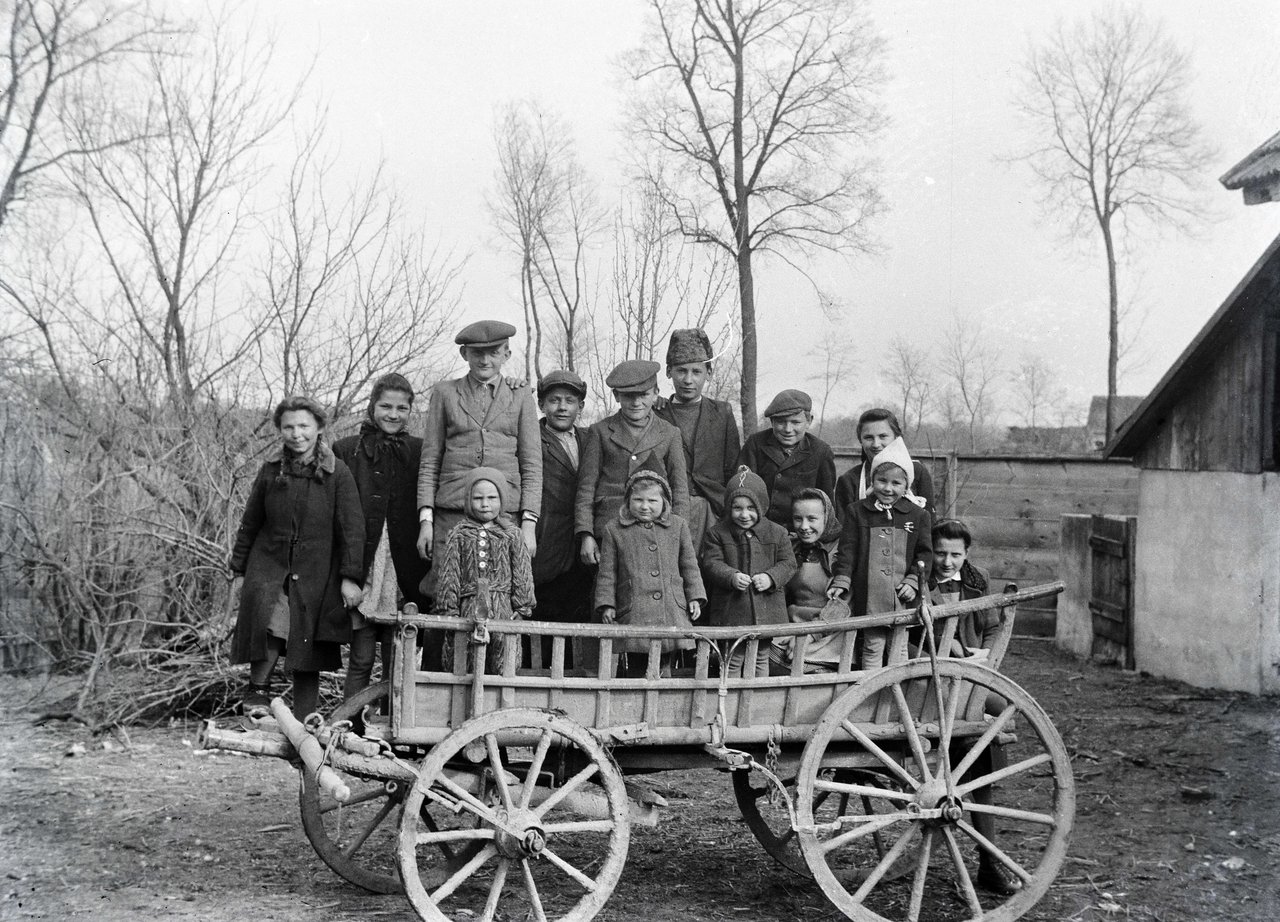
(511, 793)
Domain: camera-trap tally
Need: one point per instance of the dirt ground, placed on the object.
(1176, 821)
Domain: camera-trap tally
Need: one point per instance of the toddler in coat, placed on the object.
(648, 570)
(485, 572)
(884, 546)
(748, 560)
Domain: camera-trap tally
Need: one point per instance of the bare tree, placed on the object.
(545, 206)
(1036, 392)
(832, 357)
(754, 114)
(1105, 100)
(970, 367)
(910, 373)
(58, 56)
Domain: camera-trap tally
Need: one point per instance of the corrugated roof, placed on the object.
(1135, 431)
(1262, 164)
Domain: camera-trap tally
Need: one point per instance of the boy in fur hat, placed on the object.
(786, 456)
(485, 572)
(748, 561)
(885, 545)
(708, 430)
(648, 570)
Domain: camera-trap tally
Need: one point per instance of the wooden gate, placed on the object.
(1111, 599)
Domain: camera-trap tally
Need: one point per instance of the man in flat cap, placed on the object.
(708, 431)
(562, 583)
(786, 456)
(479, 420)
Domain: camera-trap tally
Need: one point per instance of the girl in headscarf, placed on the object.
(817, 533)
(384, 460)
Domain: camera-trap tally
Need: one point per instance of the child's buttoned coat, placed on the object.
(764, 548)
(811, 463)
(879, 549)
(611, 455)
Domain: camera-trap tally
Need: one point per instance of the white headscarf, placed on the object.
(893, 453)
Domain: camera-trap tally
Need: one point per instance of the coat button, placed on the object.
(657, 596)
(293, 576)
(652, 547)
(633, 458)
(654, 572)
(886, 552)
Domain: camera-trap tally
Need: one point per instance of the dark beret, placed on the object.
(484, 334)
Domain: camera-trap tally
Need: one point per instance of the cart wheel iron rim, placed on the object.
(355, 839)
(522, 834)
(932, 816)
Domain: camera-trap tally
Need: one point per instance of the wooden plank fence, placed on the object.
(1013, 505)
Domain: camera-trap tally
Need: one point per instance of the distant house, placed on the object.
(1095, 429)
(1207, 442)
(1257, 174)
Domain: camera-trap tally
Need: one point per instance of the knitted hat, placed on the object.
(691, 345)
(633, 376)
(493, 475)
(647, 474)
(895, 453)
(789, 401)
(745, 482)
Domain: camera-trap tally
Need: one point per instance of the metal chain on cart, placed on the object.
(771, 753)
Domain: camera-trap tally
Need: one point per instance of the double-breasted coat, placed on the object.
(728, 550)
(465, 429)
(811, 463)
(710, 456)
(880, 549)
(649, 573)
(557, 546)
(300, 536)
(613, 452)
(386, 475)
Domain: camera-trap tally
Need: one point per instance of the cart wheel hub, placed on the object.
(933, 796)
(520, 834)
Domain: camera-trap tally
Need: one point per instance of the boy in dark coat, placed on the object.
(648, 570)
(786, 456)
(884, 546)
(562, 582)
(748, 561)
(618, 446)
(383, 459)
(708, 430)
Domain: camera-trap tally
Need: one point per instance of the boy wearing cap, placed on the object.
(786, 456)
(621, 444)
(479, 420)
(561, 581)
(708, 431)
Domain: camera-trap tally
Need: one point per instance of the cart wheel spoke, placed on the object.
(1007, 772)
(949, 719)
(994, 850)
(495, 889)
(962, 871)
(354, 845)
(531, 888)
(913, 735)
(1043, 819)
(445, 837)
(863, 790)
(566, 789)
(582, 880)
(885, 759)
(899, 848)
(871, 827)
(535, 769)
(328, 804)
(921, 876)
(578, 826)
(467, 799)
(979, 747)
(499, 773)
(458, 877)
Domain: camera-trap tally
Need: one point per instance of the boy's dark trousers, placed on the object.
(567, 599)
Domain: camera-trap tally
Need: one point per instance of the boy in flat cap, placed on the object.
(786, 456)
(561, 581)
(621, 444)
(708, 431)
(479, 420)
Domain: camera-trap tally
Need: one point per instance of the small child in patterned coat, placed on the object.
(884, 546)
(648, 570)
(486, 572)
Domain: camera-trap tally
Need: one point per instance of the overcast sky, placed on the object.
(418, 83)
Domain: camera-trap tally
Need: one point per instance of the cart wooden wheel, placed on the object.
(357, 838)
(544, 854)
(770, 822)
(947, 783)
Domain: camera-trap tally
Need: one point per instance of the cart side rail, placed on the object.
(690, 707)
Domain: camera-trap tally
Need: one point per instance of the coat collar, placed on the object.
(473, 404)
(902, 505)
(627, 519)
(552, 445)
(769, 445)
(625, 437)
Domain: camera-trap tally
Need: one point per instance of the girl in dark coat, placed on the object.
(384, 460)
(298, 559)
(648, 569)
(748, 561)
(878, 427)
